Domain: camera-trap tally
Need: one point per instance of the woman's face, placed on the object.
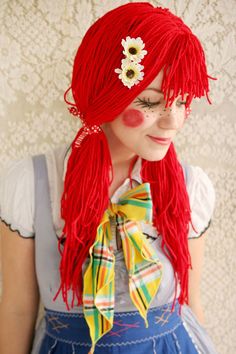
(144, 119)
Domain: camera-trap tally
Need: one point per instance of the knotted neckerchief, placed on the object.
(143, 266)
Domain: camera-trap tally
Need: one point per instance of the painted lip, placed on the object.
(162, 141)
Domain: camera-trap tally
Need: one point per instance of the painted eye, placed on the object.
(181, 103)
(146, 103)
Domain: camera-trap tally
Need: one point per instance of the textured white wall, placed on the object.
(38, 40)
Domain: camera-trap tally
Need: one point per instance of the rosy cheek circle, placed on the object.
(132, 118)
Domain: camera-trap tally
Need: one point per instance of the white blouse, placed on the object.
(17, 193)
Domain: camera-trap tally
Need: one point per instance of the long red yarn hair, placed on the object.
(100, 97)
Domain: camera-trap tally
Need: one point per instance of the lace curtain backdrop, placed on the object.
(38, 40)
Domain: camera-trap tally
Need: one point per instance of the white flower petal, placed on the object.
(131, 61)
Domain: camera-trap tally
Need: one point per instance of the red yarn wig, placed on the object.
(100, 97)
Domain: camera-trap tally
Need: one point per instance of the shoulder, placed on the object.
(17, 189)
(201, 193)
(16, 196)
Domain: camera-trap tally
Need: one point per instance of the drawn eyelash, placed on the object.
(146, 103)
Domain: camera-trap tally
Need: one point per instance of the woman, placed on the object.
(125, 276)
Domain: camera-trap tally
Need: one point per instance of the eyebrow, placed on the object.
(154, 89)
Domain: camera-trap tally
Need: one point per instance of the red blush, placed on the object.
(132, 118)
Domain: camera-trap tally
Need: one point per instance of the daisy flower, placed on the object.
(130, 73)
(133, 48)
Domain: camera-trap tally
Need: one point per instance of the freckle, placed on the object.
(132, 118)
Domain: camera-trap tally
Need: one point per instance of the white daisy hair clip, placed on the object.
(131, 70)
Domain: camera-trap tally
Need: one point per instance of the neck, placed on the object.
(121, 156)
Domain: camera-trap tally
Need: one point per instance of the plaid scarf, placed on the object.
(143, 266)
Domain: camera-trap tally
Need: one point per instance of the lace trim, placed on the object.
(15, 229)
(207, 227)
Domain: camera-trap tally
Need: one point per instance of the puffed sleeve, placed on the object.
(202, 200)
(17, 197)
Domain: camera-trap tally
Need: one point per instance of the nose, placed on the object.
(169, 118)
